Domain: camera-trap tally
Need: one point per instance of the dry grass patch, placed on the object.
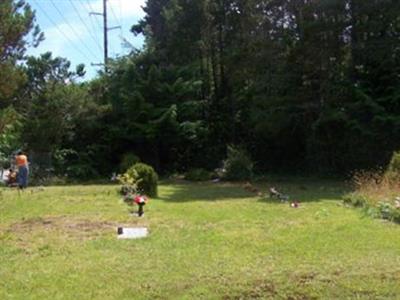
(376, 187)
(63, 226)
(378, 193)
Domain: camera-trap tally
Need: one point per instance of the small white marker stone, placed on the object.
(132, 233)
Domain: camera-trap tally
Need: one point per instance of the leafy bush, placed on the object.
(128, 160)
(395, 215)
(129, 184)
(368, 200)
(62, 158)
(81, 171)
(376, 191)
(52, 180)
(56, 180)
(145, 178)
(238, 165)
(198, 175)
(10, 133)
(393, 170)
(385, 210)
(74, 165)
(355, 199)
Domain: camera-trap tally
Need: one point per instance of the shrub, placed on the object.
(355, 199)
(128, 181)
(81, 171)
(128, 160)
(376, 192)
(62, 159)
(57, 180)
(238, 165)
(396, 215)
(393, 170)
(374, 186)
(385, 210)
(198, 175)
(145, 178)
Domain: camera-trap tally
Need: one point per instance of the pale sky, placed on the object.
(74, 34)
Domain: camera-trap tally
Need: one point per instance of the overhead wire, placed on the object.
(89, 9)
(72, 29)
(61, 32)
(122, 25)
(84, 23)
(113, 13)
(92, 10)
(120, 13)
(116, 20)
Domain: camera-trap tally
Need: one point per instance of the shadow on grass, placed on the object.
(303, 191)
(309, 191)
(181, 191)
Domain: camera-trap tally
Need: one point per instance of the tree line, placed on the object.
(305, 86)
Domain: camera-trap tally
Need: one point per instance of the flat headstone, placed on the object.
(132, 233)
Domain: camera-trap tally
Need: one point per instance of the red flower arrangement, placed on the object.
(141, 199)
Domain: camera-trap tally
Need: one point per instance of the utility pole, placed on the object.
(105, 33)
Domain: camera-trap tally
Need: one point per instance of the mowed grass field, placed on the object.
(207, 241)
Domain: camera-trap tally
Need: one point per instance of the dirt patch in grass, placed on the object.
(268, 289)
(304, 278)
(261, 289)
(264, 289)
(63, 226)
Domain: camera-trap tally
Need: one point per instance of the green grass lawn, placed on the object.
(207, 241)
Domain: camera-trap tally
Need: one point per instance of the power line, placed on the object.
(117, 21)
(120, 14)
(88, 7)
(72, 29)
(122, 25)
(59, 30)
(115, 16)
(91, 9)
(120, 20)
(84, 23)
(105, 31)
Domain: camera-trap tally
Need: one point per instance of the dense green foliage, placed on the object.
(379, 210)
(128, 160)
(145, 178)
(393, 170)
(16, 22)
(238, 165)
(377, 192)
(198, 175)
(300, 85)
(10, 129)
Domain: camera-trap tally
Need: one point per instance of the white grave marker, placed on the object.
(132, 233)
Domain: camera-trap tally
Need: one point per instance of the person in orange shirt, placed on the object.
(21, 161)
